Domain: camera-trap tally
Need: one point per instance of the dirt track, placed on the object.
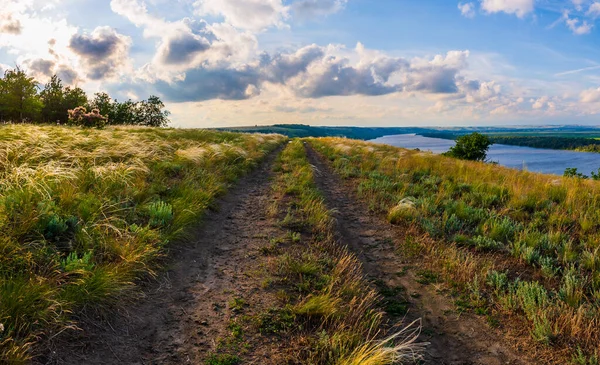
(182, 315)
(454, 338)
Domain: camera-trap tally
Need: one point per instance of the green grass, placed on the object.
(85, 213)
(466, 211)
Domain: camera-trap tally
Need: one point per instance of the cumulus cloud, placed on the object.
(255, 15)
(308, 9)
(594, 10)
(590, 96)
(182, 46)
(187, 43)
(9, 25)
(467, 9)
(281, 67)
(40, 67)
(103, 52)
(43, 69)
(518, 7)
(206, 84)
(577, 26)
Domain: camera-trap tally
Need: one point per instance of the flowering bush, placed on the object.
(79, 116)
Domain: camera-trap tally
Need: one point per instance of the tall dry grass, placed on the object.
(85, 213)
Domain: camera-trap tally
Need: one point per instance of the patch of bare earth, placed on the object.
(184, 316)
(455, 337)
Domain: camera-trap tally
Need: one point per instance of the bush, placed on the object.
(80, 117)
(472, 147)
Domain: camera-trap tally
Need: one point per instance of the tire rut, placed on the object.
(180, 317)
(454, 338)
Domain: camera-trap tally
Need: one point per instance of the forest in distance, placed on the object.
(579, 138)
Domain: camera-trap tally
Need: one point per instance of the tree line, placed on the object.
(24, 100)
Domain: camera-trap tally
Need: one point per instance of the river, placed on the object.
(531, 159)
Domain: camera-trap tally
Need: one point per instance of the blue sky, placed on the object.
(321, 62)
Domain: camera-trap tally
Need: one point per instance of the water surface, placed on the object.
(532, 159)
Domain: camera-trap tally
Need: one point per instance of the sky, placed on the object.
(222, 63)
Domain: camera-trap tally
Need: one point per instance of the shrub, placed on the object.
(80, 117)
(472, 147)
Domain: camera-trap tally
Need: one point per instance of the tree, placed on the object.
(473, 147)
(58, 100)
(103, 103)
(19, 99)
(53, 99)
(152, 113)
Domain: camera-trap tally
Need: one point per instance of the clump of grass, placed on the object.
(223, 359)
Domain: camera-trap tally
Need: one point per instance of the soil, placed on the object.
(187, 309)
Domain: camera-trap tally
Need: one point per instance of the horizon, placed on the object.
(225, 63)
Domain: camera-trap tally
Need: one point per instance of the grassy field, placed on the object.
(525, 247)
(84, 214)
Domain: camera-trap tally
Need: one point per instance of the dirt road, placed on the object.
(182, 315)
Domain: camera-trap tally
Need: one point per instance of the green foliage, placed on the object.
(57, 100)
(160, 213)
(57, 104)
(471, 147)
(572, 172)
(18, 97)
(223, 359)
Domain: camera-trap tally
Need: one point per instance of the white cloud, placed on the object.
(518, 7)
(254, 15)
(590, 96)
(467, 9)
(578, 4)
(577, 26)
(187, 43)
(594, 10)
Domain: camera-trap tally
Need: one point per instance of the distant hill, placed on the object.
(301, 130)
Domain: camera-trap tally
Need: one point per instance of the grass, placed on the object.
(471, 213)
(333, 314)
(84, 214)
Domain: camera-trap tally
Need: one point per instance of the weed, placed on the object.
(427, 277)
(237, 304)
(223, 359)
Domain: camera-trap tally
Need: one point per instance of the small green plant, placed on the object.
(542, 330)
(572, 288)
(161, 214)
(275, 320)
(580, 358)
(497, 281)
(75, 263)
(223, 359)
(237, 304)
